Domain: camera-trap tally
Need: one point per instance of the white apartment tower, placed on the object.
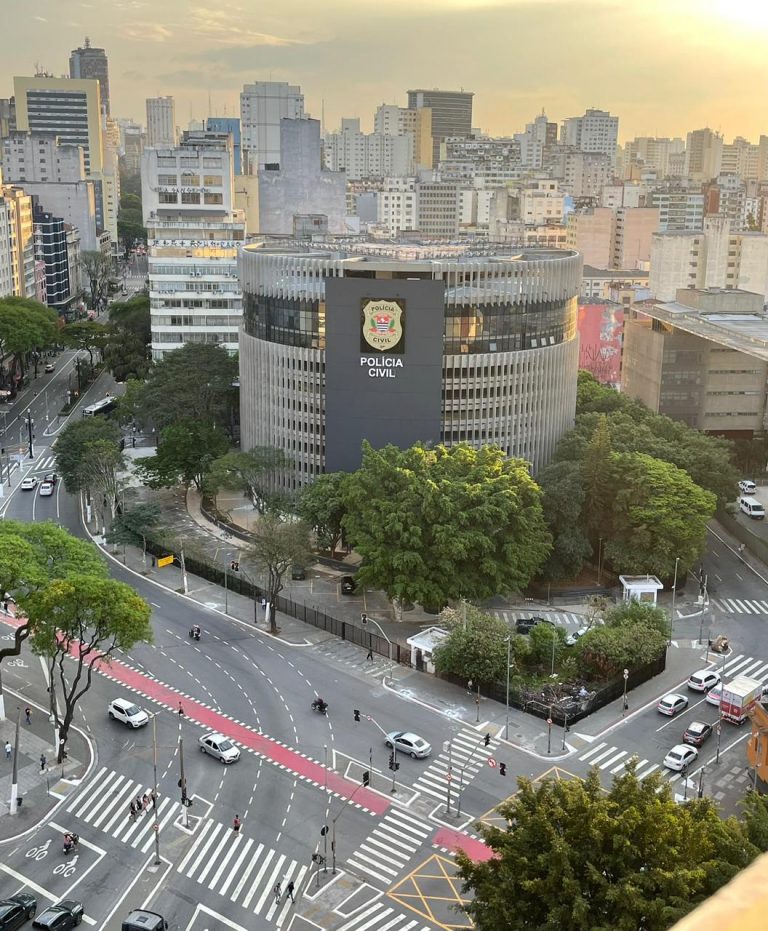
(596, 131)
(161, 121)
(194, 234)
(262, 106)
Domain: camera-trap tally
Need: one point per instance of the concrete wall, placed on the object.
(74, 203)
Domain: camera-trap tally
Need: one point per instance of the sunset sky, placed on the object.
(663, 66)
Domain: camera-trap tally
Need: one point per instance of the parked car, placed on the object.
(220, 747)
(298, 573)
(672, 704)
(29, 483)
(60, 917)
(46, 489)
(576, 635)
(703, 680)
(51, 477)
(697, 732)
(524, 625)
(16, 910)
(408, 742)
(127, 712)
(348, 585)
(50, 367)
(747, 486)
(681, 757)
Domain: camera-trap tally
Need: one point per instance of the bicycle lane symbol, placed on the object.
(38, 853)
(66, 869)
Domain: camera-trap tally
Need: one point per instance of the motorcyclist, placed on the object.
(69, 841)
(195, 632)
(320, 705)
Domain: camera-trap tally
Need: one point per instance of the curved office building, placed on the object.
(401, 343)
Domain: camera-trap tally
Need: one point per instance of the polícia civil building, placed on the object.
(405, 343)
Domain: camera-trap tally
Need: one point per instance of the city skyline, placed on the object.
(662, 74)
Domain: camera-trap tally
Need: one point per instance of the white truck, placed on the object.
(738, 698)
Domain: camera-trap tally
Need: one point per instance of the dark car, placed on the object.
(298, 573)
(524, 625)
(60, 917)
(697, 732)
(348, 585)
(16, 910)
(51, 477)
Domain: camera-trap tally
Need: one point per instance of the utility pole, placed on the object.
(15, 800)
(183, 783)
(30, 424)
(154, 789)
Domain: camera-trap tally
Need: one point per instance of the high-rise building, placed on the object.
(161, 121)
(194, 234)
(451, 114)
(649, 153)
(596, 131)
(537, 136)
(231, 125)
(262, 106)
(51, 250)
(632, 234)
(90, 62)
(18, 245)
(703, 154)
(367, 155)
(391, 120)
(680, 208)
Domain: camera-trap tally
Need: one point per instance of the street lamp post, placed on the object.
(156, 825)
(506, 722)
(30, 424)
(624, 703)
(685, 782)
(364, 620)
(14, 806)
(674, 598)
(719, 732)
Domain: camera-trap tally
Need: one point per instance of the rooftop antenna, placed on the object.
(87, 42)
(209, 102)
(322, 116)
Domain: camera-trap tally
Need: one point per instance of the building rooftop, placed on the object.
(591, 272)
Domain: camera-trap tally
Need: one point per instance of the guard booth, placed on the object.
(641, 588)
(423, 645)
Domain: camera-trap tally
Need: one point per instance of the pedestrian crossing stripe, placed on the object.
(467, 757)
(390, 846)
(740, 605)
(378, 916)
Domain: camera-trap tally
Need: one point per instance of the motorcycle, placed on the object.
(194, 633)
(71, 844)
(320, 706)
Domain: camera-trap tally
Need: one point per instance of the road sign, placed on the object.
(491, 762)
(549, 721)
(368, 718)
(164, 561)
(448, 777)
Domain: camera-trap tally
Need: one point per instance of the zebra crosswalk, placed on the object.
(390, 846)
(611, 759)
(741, 665)
(740, 605)
(378, 916)
(241, 869)
(559, 618)
(45, 464)
(468, 754)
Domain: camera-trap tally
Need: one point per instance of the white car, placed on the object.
(704, 680)
(747, 486)
(407, 742)
(28, 484)
(714, 695)
(681, 757)
(219, 746)
(127, 712)
(574, 637)
(46, 489)
(671, 704)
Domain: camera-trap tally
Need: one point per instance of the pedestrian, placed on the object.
(181, 710)
(278, 891)
(138, 805)
(154, 562)
(289, 891)
(154, 799)
(370, 653)
(8, 749)
(133, 810)
(145, 801)
(264, 603)
(236, 824)
(43, 762)
(28, 715)
(5, 605)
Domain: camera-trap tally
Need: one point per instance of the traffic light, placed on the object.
(356, 713)
(487, 739)
(393, 764)
(503, 769)
(367, 778)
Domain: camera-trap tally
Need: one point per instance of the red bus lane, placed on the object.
(279, 754)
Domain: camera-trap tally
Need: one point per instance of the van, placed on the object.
(141, 920)
(752, 507)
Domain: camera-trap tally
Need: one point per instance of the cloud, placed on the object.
(147, 32)
(40, 19)
(222, 27)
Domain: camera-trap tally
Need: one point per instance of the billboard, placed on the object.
(383, 365)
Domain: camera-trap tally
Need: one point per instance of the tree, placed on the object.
(77, 624)
(98, 474)
(277, 545)
(85, 334)
(562, 488)
(185, 453)
(134, 525)
(633, 612)
(25, 326)
(573, 857)
(658, 515)
(72, 448)
(196, 378)
(476, 646)
(322, 505)
(435, 525)
(596, 472)
(132, 317)
(603, 652)
(254, 472)
(97, 268)
(31, 555)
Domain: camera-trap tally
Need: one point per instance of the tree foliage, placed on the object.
(254, 472)
(185, 453)
(476, 646)
(322, 505)
(633, 634)
(25, 325)
(277, 545)
(134, 524)
(85, 334)
(195, 380)
(573, 856)
(97, 269)
(77, 624)
(438, 524)
(75, 449)
(563, 496)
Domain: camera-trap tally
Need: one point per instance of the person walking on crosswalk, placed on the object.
(289, 891)
(278, 891)
(236, 824)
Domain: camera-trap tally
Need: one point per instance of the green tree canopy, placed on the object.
(134, 525)
(253, 471)
(277, 545)
(185, 453)
(73, 449)
(195, 380)
(85, 334)
(562, 485)
(438, 524)
(77, 624)
(97, 269)
(322, 505)
(25, 325)
(476, 646)
(573, 856)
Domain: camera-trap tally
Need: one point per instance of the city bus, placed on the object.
(104, 406)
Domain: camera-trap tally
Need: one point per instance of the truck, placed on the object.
(738, 698)
(141, 920)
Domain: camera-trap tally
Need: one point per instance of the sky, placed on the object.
(664, 67)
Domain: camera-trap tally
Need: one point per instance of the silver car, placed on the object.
(408, 742)
(220, 747)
